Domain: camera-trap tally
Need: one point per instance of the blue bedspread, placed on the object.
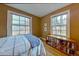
(34, 41)
(21, 45)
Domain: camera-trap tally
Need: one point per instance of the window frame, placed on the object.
(67, 25)
(9, 21)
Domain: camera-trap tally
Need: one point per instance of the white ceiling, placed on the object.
(40, 9)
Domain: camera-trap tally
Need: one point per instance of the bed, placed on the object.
(22, 45)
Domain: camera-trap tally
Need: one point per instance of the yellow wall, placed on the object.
(74, 21)
(36, 27)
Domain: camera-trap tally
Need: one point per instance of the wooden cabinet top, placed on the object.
(67, 39)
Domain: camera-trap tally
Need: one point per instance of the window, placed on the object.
(59, 25)
(20, 24)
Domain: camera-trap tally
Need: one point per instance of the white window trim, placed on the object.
(9, 22)
(68, 22)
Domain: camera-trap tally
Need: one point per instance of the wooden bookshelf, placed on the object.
(65, 46)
